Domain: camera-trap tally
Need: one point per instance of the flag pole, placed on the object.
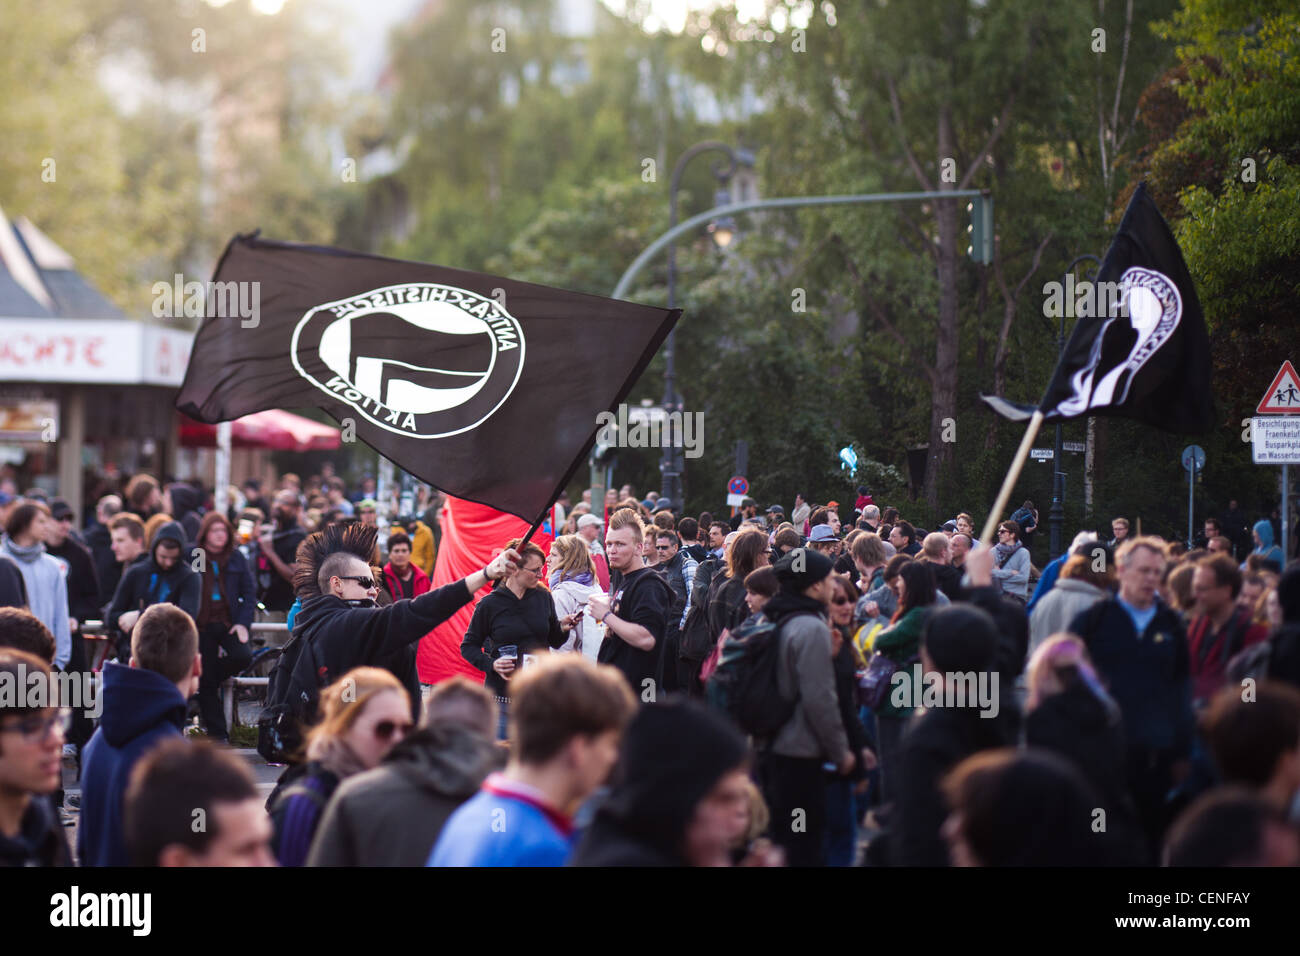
(1013, 473)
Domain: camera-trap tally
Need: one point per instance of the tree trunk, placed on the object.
(947, 212)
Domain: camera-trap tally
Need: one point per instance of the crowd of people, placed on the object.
(658, 688)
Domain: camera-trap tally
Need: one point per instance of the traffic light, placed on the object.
(980, 229)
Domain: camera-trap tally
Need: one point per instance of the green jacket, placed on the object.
(900, 643)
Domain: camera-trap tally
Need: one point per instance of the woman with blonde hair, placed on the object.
(365, 713)
(571, 573)
(513, 622)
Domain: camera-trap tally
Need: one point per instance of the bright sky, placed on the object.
(672, 14)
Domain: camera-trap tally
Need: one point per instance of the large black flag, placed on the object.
(485, 387)
(1149, 357)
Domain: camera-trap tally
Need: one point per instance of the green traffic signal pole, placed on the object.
(790, 202)
(786, 203)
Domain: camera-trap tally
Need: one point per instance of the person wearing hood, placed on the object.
(348, 629)
(1269, 553)
(956, 642)
(365, 713)
(144, 704)
(392, 815)
(227, 601)
(183, 501)
(31, 743)
(571, 573)
(163, 579)
(678, 794)
(791, 766)
(44, 576)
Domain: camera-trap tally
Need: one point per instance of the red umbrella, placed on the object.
(274, 429)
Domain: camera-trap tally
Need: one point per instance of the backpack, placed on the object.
(291, 695)
(696, 641)
(745, 684)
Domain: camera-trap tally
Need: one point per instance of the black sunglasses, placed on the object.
(366, 582)
(386, 728)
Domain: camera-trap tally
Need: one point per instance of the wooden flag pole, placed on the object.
(1013, 473)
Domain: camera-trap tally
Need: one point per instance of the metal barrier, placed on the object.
(97, 631)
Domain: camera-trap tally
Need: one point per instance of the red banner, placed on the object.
(472, 535)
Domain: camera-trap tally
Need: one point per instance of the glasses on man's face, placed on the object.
(663, 547)
(385, 729)
(840, 600)
(533, 570)
(366, 581)
(37, 727)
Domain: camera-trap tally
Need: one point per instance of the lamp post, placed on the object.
(1056, 516)
(722, 233)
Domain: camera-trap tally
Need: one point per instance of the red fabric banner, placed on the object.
(472, 535)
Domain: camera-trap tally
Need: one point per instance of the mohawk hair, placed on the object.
(353, 537)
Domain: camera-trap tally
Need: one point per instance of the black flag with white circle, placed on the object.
(482, 386)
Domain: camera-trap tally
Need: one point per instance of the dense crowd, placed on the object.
(658, 689)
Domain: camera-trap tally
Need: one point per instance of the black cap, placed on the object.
(60, 509)
(776, 509)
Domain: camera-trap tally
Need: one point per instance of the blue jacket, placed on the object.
(1148, 675)
(141, 709)
(1267, 549)
(1046, 580)
(495, 827)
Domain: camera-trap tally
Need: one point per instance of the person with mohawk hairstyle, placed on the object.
(345, 627)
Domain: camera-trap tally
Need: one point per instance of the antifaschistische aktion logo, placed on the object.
(357, 350)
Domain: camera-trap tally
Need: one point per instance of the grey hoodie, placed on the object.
(1067, 599)
(392, 815)
(47, 592)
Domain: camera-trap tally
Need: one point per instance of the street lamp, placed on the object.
(1056, 517)
(722, 232)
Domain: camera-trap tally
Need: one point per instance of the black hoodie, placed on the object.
(344, 637)
(185, 506)
(144, 583)
(672, 755)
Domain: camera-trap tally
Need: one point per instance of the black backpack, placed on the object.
(291, 695)
(697, 641)
(745, 686)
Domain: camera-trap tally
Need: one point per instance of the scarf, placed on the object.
(28, 553)
(583, 578)
(1004, 552)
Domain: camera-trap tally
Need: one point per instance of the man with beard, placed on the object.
(277, 550)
